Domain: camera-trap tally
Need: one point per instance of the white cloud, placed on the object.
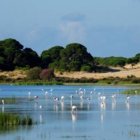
(73, 28)
(73, 31)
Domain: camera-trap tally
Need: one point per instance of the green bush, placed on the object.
(86, 68)
(33, 73)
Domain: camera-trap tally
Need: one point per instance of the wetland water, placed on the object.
(102, 113)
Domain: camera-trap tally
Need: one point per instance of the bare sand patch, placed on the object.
(122, 73)
(16, 74)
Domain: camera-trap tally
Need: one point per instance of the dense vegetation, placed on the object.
(74, 57)
(12, 55)
(117, 61)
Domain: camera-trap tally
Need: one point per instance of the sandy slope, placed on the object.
(129, 70)
(16, 74)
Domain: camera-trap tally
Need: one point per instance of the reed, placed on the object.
(132, 92)
(11, 100)
(8, 119)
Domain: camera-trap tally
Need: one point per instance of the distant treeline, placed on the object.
(74, 57)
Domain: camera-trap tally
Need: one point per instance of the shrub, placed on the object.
(47, 74)
(34, 73)
(86, 68)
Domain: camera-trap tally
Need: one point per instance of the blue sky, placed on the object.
(105, 27)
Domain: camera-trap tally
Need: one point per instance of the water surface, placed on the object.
(112, 119)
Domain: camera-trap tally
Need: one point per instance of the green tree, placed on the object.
(51, 55)
(27, 57)
(8, 49)
(111, 61)
(137, 56)
(74, 56)
(2, 63)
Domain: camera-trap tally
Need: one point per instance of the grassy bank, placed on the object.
(68, 81)
(37, 83)
(104, 81)
(130, 80)
(30, 82)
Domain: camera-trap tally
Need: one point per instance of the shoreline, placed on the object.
(49, 83)
(129, 76)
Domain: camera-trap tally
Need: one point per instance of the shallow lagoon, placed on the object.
(116, 119)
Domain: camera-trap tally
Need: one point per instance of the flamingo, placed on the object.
(3, 101)
(56, 99)
(103, 105)
(74, 109)
(113, 98)
(103, 98)
(127, 98)
(62, 98)
(35, 97)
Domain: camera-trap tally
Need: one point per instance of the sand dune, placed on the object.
(124, 72)
(128, 70)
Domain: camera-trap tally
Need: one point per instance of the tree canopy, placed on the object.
(51, 55)
(13, 55)
(73, 57)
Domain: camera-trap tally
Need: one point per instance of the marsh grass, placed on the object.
(12, 120)
(9, 119)
(132, 92)
(11, 100)
(38, 83)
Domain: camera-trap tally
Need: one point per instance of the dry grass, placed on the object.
(16, 74)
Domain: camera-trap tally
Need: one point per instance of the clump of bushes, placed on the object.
(37, 73)
(47, 74)
(33, 73)
(86, 68)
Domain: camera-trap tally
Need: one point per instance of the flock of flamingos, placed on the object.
(79, 97)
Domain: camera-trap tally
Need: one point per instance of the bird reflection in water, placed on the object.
(74, 113)
(113, 105)
(3, 108)
(62, 106)
(81, 104)
(3, 103)
(128, 105)
(74, 117)
(128, 102)
(40, 118)
(56, 107)
(102, 117)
